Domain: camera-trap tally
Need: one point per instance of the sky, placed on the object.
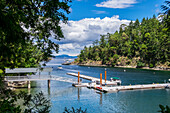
(91, 18)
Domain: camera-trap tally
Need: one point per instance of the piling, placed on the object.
(101, 79)
(48, 83)
(29, 84)
(78, 77)
(105, 77)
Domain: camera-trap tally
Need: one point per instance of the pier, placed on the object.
(93, 79)
(111, 86)
(130, 87)
(100, 84)
(34, 77)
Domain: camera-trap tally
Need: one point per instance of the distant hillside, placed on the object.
(65, 56)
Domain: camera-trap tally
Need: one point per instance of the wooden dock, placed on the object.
(130, 87)
(37, 77)
(93, 79)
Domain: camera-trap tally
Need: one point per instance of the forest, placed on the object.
(140, 44)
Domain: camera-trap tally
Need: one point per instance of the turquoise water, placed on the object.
(135, 101)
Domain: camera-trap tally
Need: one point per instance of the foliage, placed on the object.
(147, 42)
(25, 30)
(140, 64)
(166, 8)
(164, 109)
(74, 111)
(31, 104)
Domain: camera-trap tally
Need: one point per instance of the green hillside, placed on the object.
(144, 44)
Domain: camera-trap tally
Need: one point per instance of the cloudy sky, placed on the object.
(91, 18)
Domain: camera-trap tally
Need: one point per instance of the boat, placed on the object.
(67, 62)
(59, 67)
(115, 79)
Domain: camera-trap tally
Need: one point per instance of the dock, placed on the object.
(130, 87)
(94, 79)
(35, 77)
(102, 85)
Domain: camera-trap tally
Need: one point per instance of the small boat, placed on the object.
(116, 79)
(67, 62)
(59, 67)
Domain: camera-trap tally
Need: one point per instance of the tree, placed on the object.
(166, 8)
(164, 109)
(30, 24)
(141, 44)
(73, 110)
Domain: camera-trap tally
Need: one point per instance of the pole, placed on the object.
(48, 83)
(101, 79)
(29, 84)
(78, 77)
(105, 76)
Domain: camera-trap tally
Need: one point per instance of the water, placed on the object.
(135, 101)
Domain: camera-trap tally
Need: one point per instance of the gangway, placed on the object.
(37, 76)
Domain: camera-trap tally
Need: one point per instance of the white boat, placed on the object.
(116, 79)
(59, 67)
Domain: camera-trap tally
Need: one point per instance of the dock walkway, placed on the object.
(94, 79)
(37, 78)
(131, 87)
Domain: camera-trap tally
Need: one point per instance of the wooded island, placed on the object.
(144, 44)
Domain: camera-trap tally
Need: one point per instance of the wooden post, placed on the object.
(105, 77)
(29, 84)
(48, 83)
(101, 79)
(78, 77)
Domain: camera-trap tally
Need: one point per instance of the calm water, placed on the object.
(142, 101)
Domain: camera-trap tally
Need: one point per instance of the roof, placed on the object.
(115, 78)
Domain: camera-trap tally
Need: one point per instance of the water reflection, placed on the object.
(78, 95)
(49, 91)
(100, 93)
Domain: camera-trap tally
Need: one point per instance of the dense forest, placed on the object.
(137, 44)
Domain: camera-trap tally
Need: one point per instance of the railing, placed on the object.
(15, 77)
(38, 77)
(29, 70)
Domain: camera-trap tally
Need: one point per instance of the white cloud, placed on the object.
(117, 3)
(83, 32)
(99, 12)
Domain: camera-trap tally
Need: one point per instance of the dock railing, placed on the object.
(15, 77)
(36, 73)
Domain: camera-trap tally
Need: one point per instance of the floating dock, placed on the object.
(93, 79)
(130, 87)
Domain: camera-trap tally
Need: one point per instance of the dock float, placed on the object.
(131, 87)
(93, 79)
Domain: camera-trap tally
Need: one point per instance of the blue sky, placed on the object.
(91, 18)
(137, 9)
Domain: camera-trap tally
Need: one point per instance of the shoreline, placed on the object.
(134, 67)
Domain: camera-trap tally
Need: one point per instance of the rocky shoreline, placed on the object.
(160, 68)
